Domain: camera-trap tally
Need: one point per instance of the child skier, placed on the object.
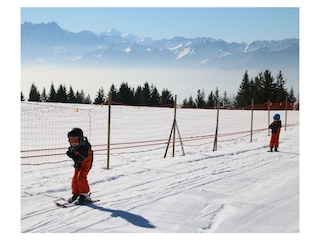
(82, 155)
(275, 127)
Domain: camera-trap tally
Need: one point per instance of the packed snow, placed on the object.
(240, 188)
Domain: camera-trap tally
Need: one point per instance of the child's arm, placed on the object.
(272, 125)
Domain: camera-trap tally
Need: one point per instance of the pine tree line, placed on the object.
(59, 95)
(261, 88)
(146, 95)
(213, 99)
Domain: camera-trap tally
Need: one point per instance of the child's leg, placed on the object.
(276, 141)
(74, 183)
(83, 185)
(272, 140)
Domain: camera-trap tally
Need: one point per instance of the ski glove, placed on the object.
(77, 165)
(70, 154)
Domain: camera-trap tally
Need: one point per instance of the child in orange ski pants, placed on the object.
(275, 127)
(82, 155)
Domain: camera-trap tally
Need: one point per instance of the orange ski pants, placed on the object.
(79, 182)
(274, 140)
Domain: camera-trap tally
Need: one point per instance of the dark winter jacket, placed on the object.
(275, 125)
(81, 152)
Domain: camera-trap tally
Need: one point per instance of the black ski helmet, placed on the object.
(75, 132)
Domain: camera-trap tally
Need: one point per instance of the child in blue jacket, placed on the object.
(275, 127)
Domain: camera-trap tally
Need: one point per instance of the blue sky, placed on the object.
(230, 24)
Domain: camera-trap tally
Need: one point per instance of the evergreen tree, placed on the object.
(268, 91)
(114, 93)
(44, 97)
(138, 96)
(200, 100)
(256, 87)
(185, 102)
(62, 95)
(216, 97)
(71, 96)
(166, 97)
(225, 100)
(146, 94)
(243, 97)
(22, 97)
(191, 103)
(126, 95)
(100, 97)
(52, 94)
(210, 101)
(280, 91)
(87, 100)
(34, 94)
(291, 97)
(82, 96)
(79, 97)
(154, 96)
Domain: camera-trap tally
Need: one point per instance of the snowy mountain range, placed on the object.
(47, 43)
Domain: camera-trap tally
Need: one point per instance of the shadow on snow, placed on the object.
(130, 217)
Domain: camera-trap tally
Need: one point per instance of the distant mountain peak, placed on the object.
(42, 41)
(112, 32)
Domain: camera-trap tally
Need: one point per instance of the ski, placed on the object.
(62, 202)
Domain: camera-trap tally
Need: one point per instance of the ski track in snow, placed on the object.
(239, 188)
